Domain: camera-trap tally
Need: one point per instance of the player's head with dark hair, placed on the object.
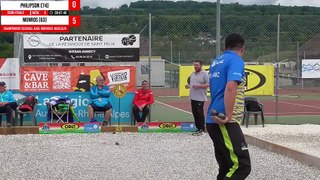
(234, 42)
(2, 86)
(197, 64)
(198, 61)
(145, 84)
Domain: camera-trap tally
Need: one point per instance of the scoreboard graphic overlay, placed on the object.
(39, 16)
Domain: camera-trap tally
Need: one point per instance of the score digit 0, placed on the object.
(74, 5)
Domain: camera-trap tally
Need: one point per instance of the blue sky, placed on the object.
(117, 3)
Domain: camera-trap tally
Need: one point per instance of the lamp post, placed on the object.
(218, 26)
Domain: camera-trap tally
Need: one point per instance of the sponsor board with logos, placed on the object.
(310, 68)
(166, 127)
(61, 128)
(260, 79)
(9, 72)
(81, 47)
(74, 78)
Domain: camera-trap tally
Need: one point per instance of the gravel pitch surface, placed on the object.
(138, 156)
(304, 138)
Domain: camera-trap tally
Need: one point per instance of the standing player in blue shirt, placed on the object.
(227, 85)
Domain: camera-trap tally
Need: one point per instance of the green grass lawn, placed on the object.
(162, 113)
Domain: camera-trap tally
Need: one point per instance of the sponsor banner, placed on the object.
(121, 108)
(166, 127)
(310, 68)
(82, 55)
(80, 41)
(119, 77)
(9, 72)
(260, 79)
(81, 47)
(61, 128)
(69, 78)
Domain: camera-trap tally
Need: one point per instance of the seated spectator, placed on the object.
(7, 102)
(142, 99)
(100, 95)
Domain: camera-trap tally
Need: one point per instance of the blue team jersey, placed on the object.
(100, 97)
(227, 67)
(7, 96)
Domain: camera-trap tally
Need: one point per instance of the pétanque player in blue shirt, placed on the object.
(227, 85)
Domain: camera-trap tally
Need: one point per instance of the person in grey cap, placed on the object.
(7, 103)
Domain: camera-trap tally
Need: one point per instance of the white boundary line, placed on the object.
(267, 114)
(173, 107)
(300, 105)
(291, 115)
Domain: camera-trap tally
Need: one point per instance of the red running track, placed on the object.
(286, 108)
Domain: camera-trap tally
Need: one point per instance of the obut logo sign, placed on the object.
(70, 126)
(167, 126)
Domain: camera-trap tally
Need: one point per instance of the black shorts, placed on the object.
(96, 108)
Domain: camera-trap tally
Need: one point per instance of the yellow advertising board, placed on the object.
(260, 79)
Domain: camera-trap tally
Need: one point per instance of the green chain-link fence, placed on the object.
(179, 40)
